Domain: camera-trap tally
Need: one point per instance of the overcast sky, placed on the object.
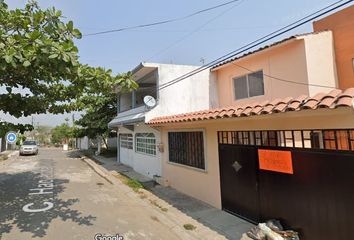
(205, 36)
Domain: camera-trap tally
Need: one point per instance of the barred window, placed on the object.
(186, 148)
(145, 143)
(333, 139)
(126, 140)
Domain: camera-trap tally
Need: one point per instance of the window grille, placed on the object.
(334, 139)
(186, 148)
(145, 143)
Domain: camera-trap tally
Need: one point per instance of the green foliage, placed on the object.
(189, 227)
(101, 105)
(62, 133)
(38, 54)
(20, 139)
(6, 127)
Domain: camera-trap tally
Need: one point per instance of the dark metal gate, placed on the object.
(238, 179)
(317, 199)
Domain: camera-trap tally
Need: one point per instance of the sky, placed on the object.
(203, 37)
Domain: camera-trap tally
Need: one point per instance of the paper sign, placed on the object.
(275, 160)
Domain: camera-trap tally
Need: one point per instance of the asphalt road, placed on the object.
(57, 196)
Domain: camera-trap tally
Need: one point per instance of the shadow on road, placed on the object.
(14, 194)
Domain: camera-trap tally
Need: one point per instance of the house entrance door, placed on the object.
(238, 179)
(126, 149)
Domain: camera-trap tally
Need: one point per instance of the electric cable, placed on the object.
(162, 22)
(257, 42)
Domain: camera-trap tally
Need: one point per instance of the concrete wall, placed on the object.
(303, 60)
(2, 148)
(320, 61)
(112, 142)
(145, 164)
(205, 185)
(83, 143)
(125, 102)
(194, 93)
(341, 24)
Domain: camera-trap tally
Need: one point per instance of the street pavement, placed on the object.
(57, 196)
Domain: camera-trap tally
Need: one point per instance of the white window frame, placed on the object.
(247, 84)
(145, 143)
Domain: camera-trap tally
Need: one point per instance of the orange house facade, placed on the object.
(341, 24)
(280, 73)
(284, 116)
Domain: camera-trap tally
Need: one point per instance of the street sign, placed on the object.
(11, 137)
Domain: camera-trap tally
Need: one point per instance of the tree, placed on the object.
(101, 106)
(39, 57)
(62, 133)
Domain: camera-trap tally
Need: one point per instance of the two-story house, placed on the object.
(280, 143)
(139, 145)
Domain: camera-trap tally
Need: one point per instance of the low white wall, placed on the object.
(84, 143)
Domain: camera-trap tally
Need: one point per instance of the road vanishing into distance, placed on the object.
(55, 195)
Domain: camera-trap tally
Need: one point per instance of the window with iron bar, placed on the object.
(187, 148)
(330, 139)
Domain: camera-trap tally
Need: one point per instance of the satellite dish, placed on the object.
(149, 101)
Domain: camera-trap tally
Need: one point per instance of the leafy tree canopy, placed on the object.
(39, 64)
(101, 107)
(61, 133)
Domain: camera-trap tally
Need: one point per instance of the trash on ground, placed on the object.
(270, 230)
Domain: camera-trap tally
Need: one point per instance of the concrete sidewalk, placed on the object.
(7, 154)
(220, 221)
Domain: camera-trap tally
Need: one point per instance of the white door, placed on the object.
(126, 149)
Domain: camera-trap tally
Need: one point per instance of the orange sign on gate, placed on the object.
(275, 160)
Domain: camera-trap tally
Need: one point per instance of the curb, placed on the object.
(94, 167)
(173, 218)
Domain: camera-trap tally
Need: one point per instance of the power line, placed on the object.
(282, 79)
(162, 22)
(192, 32)
(259, 41)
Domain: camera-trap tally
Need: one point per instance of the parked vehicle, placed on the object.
(29, 147)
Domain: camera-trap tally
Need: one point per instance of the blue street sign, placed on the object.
(11, 137)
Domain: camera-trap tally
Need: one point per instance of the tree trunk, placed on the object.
(104, 141)
(98, 152)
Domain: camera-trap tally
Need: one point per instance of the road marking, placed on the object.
(45, 186)
(27, 208)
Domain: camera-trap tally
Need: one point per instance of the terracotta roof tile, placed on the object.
(334, 99)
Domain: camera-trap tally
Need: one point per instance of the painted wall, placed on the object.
(145, 164)
(342, 25)
(83, 143)
(206, 185)
(320, 61)
(303, 60)
(194, 93)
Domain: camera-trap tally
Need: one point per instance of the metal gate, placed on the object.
(315, 198)
(239, 181)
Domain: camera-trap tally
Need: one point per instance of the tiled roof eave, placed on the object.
(334, 99)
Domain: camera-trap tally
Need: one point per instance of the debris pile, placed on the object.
(271, 230)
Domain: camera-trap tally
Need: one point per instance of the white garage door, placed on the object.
(126, 149)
